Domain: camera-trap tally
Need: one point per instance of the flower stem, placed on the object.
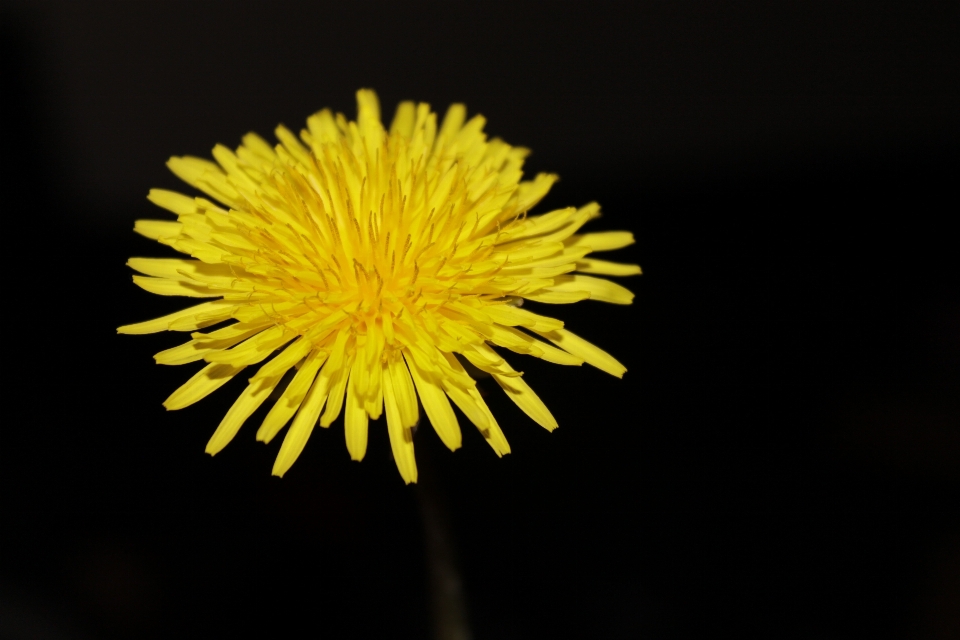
(448, 610)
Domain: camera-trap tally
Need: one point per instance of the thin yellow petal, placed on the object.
(355, 418)
(551, 296)
(476, 410)
(520, 342)
(373, 400)
(515, 316)
(368, 119)
(303, 424)
(531, 192)
(323, 128)
(438, 408)
(291, 144)
(232, 165)
(156, 229)
(403, 390)
(227, 336)
(338, 369)
(465, 403)
(254, 349)
(603, 267)
(182, 354)
(220, 310)
(492, 433)
(249, 401)
(169, 287)
(525, 398)
(590, 353)
(404, 119)
(202, 384)
(204, 175)
(292, 397)
(172, 201)
(452, 122)
(285, 359)
(401, 438)
(543, 223)
(178, 269)
(602, 241)
(259, 148)
(530, 252)
(598, 288)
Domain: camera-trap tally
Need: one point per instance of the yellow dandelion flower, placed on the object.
(367, 261)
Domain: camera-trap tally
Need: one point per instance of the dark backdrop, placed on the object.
(781, 460)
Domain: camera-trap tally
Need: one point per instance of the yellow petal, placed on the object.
(531, 192)
(476, 410)
(259, 148)
(452, 122)
(404, 391)
(292, 397)
(492, 433)
(303, 424)
(355, 419)
(373, 400)
(190, 168)
(404, 119)
(602, 267)
(525, 398)
(598, 288)
(285, 359)
(178, 269)
(182, 354)
(292, 145)
(204, 175)
(551, 296)
(520, 342)
(202, 384)
(590, 353)
(466, 403)
(213, 312)
(249, 401)
(338, 369)
(529, 253)
(483, 357)
(172, 201)
(602, 241)
(513, 316)
(401, 438)
(254, 349)
(156, 229)
(535, 225)
(539, 272)
(438, 408)
(232, 165)
(170, 287)
(323, 128)
(368, 119)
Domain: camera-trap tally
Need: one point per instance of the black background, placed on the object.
(781, 460)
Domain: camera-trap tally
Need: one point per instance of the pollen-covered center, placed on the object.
(361, 239)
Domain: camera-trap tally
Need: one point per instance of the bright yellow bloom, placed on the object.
(366, 260)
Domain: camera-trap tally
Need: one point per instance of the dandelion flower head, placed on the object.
(365, 265)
